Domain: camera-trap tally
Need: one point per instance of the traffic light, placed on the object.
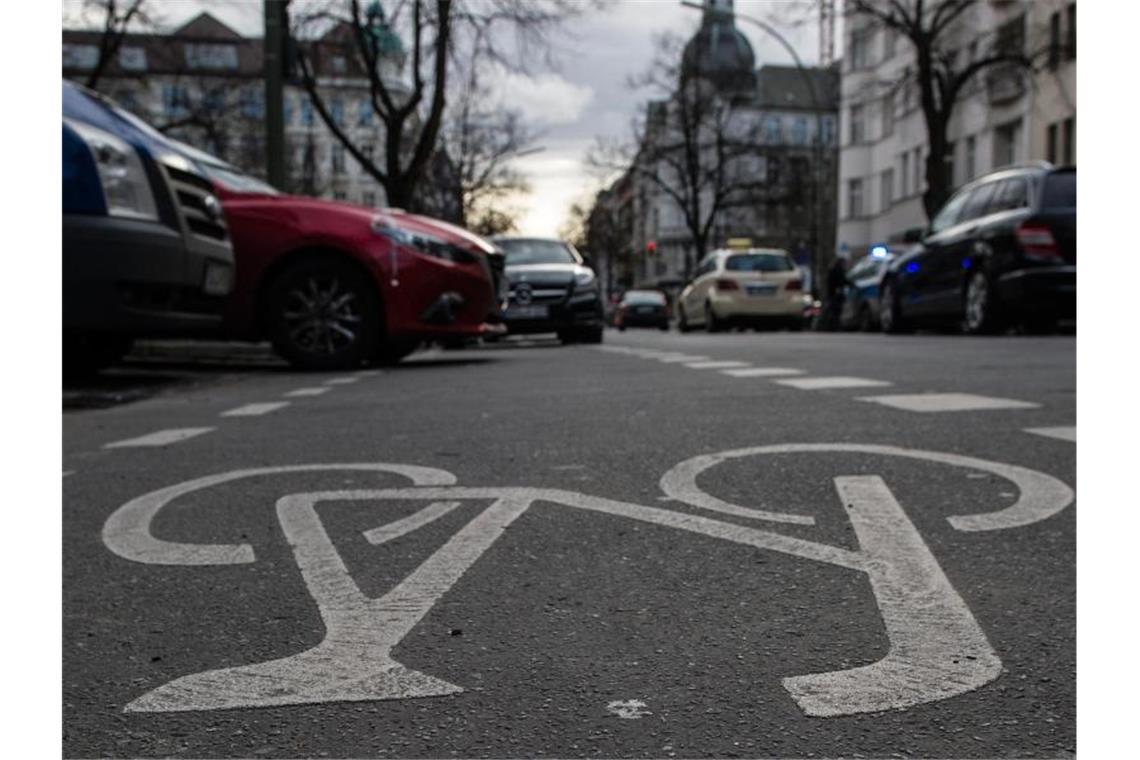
(651, 248)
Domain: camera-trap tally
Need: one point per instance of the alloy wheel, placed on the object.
(321, 315)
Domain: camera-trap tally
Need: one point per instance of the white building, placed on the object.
(1002, 118)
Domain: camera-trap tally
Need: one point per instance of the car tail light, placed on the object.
(794, 285)
(727, 285)
(1037, 241)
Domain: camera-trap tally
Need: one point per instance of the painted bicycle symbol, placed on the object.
(937, 649)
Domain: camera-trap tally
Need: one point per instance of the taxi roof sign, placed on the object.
(739, 244)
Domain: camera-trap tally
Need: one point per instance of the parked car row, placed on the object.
(161, 239)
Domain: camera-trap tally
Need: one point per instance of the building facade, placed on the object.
(204, 84)
(782, 121)
(1004, 116)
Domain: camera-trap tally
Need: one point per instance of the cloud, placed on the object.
(545, 99)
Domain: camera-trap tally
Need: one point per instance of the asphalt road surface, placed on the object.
(669, 545)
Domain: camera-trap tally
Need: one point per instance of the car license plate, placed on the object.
(529, 311)
(643, 310)
(767, 289)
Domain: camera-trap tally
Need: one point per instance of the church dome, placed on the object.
(720, 53)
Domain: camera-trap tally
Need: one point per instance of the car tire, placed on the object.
(865, 322)
(621, 328)
(591, 336)
(891, 318)
(712, 323)
(980, 305)
(85, 354)
(323, 314)
(566, 337)
(394, 350)
(683, 325)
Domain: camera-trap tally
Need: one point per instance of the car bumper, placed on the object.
(139, 278)
(1041, 290)
(745, 306)
(577, 313)
(643, 320)
(438, 299)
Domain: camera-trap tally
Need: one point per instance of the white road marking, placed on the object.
(256, 410)
(631, 709)
(716, 365)
(301, 392)
(368, 372)
(160, 438)
(947, 402)
(937, 650)
(824, 383)
(68, 472)
(679, 358)
(394, 530)
(1060, 433)
(342, 380)
(762, 372)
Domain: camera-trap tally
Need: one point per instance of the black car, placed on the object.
(642, 308)
(1001, 251)
(552, 290)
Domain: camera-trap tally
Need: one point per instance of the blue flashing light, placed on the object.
(880, 252)
(966, 263)
(912, 267)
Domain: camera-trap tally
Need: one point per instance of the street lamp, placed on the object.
(816, 237)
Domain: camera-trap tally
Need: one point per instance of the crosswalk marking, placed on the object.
(948, 402)
(823, 383)
(255, 410)
(1060, 433)
(160, 438)
(716, 365)
(762, 372)
(301, 392)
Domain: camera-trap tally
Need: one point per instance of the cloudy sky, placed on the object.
(586, 95)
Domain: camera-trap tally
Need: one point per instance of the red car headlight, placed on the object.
(421, 242)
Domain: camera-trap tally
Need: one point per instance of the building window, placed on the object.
(888, 106)
(971, 158)
(918, 170)
(368, 198)
(80, 56)
(774, 171)
(1054, 40)
(856, 124)
(364, 113)
(214, 101)
(287, 103)
(905, 174)
(1069, 141)
(338, 195)
(306, 112)
(175, 101)
(1007, 143)
(253, 103)
(211, 56)
(1071, 48)
(366, 150)
(890, 38)
(886, 189)
(799, 131)
(861, 48)
(132, 58)
(854, 198)
(828, 136)
(339, 64)
(337, 156)
(1010, 37)
(949, 159)
(904, 85)
(772, 134)
(1051, 144)
(336, 110)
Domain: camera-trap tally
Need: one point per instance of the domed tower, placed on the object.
(719, 53)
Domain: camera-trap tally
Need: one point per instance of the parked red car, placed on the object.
(333, 284)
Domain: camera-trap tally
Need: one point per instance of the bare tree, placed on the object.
(688, 146)
(115, 16)
(942, 75)
(441, 32)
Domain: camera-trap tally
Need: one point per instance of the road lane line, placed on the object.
(937, 649)
(1060, 433)
(827, 383)
(159, 438)
(947, 402)
(762, 372)
(341, 381)
(716, 365)
(680, 358)
(302, 392)
(255, 410)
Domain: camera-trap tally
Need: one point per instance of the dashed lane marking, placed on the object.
(341, 381)
(302, 392)
(762, 372)
(716, 365)
(160, 438)
(1060, 433)
(680, 358)
(256, 410)
(825, 383)
(948, 402)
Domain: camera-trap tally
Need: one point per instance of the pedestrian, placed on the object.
(835, 294)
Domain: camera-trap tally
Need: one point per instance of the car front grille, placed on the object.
(197, 205)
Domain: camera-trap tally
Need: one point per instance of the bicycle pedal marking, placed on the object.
(936, 650)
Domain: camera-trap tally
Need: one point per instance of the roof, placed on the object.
(206, 26)
(786, 87)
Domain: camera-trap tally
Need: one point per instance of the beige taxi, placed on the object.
(743, 287)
